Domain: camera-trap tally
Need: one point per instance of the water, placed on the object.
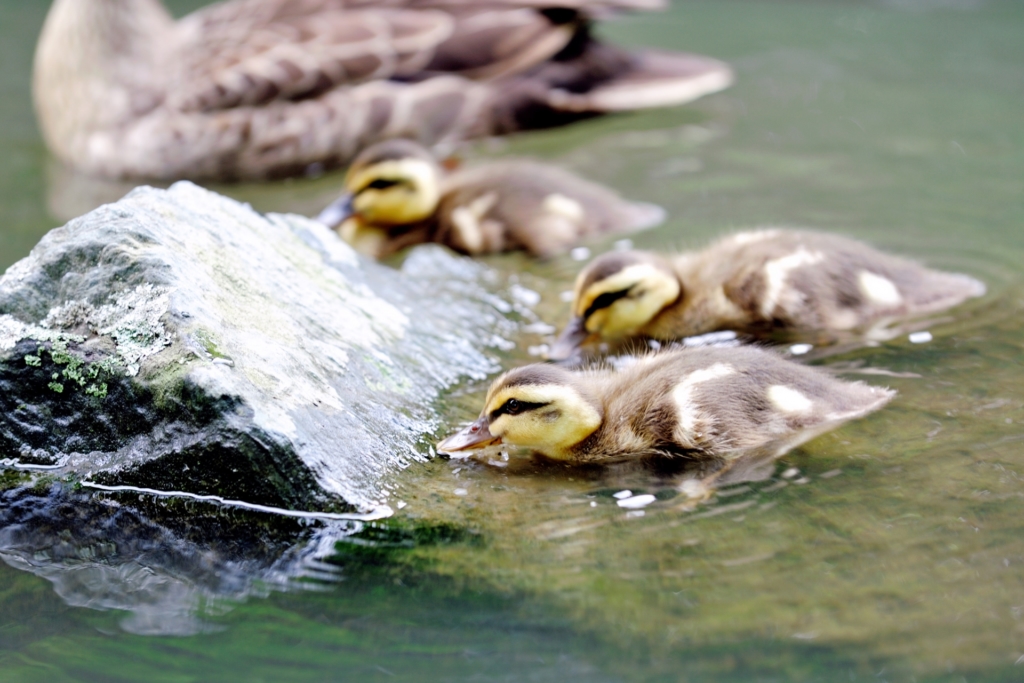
(894, 552)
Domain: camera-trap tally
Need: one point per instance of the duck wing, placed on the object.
(251, 52)
(495, 42)
(262, 88)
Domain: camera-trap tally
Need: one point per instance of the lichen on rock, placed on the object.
(133, 321)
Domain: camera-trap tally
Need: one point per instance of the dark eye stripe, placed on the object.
(604, 301)
(513, 406)
(382, 184)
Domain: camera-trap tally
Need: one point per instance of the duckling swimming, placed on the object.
(397, 195)
(756, 282)
(694, 403)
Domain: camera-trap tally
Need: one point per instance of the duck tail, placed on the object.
(589, 77)
(945, 290)
(643, 215)
(609, 79)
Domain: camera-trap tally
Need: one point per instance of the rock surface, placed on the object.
(180, 341)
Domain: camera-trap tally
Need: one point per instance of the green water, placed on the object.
(895, 553)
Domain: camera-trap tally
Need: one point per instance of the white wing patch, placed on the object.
(466, 220)
(878, 289)
(560, 205)
(789, 400)
(683, 393)
(777, 271)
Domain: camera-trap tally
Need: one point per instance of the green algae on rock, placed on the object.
(180, 341)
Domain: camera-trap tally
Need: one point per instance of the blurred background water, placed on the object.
(891, 549)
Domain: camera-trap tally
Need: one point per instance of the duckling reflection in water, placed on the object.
(397, 195)
(756, 282)
(691, 403)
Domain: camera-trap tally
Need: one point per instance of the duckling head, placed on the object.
(616, 296)
(540, 407)
(390, 184)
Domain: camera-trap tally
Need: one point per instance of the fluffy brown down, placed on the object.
(701, 403)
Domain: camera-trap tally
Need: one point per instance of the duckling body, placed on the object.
(757, 282)
(693, 403)
(397, 196)
(259, 88)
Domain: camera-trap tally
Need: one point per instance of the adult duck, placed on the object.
(262, 88)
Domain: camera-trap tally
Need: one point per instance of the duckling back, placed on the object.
(817, 281)
(777, 279)
(527, 205)
(715, 402)
(265, 88)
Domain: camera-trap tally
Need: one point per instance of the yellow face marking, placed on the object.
(651, 290)
(878, 290)
(413, 198)
(564, 419)
(776, 273)
(788, 400)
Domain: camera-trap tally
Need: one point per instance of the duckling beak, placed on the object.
(568, 343)
(337, 211)
(476, 435)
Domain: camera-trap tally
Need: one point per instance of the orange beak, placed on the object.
(476, 435)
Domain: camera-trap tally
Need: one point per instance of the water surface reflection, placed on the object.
(893, 553)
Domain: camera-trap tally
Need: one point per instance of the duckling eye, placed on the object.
(605, 300)
(514, 406)
(382, 184)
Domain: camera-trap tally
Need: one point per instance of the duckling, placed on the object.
(701, 403)
(397, 195)
(757, 282)
(266, 88)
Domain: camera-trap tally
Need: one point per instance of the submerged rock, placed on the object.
(180, 341)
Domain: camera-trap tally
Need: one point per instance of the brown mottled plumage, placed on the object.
(257, 88)
(694, 403)
(397, 196)
(754, 282)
